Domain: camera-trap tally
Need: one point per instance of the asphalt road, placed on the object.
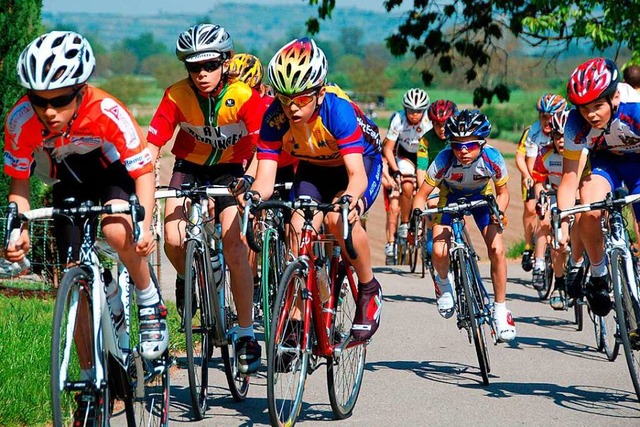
(422, 371)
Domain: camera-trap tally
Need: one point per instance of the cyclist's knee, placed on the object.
(235, 252)
(172, 237)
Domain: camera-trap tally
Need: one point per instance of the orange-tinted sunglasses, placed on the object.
(298, 100)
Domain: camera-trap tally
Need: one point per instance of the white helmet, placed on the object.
(55, 60)
(416, 99)
(298, 66)
(202, 42)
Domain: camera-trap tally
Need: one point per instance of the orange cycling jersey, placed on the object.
(102, 123)
(212, 129)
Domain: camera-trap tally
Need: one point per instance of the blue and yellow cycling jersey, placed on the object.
(622, 136)
(448, 173)
(534, 139)
(339, 127)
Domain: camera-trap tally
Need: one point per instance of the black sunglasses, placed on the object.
(209, 66)
(57, 102)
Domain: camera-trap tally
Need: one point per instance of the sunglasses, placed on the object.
(410, 111)
(469, 145)
(557, 135)
(209, 66)
(299, 101)
(57, 102)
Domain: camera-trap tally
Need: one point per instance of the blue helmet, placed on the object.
(467, 123)
(550, 103)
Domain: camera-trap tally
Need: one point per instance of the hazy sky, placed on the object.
(189, 6)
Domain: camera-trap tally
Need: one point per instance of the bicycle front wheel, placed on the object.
(578, 314)
(287, 360)
(547, 277)
(344, 373)
(474, 307)
(272, 267)
(196, 326)
(627, 315)
(610, 335)
(73, 336)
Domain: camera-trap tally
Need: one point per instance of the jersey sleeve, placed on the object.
(164, 121)
(498, 165)
(575, 133)
(395, 127)
(423, 153)
(522, 144)
(19, 140)
(274, 126)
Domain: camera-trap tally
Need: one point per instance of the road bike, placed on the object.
(209, 318)
(94, 356)
(312, 319)
(622, 272)
(473, 304)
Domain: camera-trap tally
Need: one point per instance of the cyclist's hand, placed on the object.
(563, 242)
(242, 185)
(397, 178)
(540, 211)
(416, 214)
(496, 221)
(17, 251)
(252, 195)
(146, 245)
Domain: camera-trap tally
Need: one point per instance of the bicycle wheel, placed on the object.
(578, 314)
(610, 335)
(287, 360)
(238, 383)
(272, 262)
(150, 383)
(72, 321)
(627, 315)
(197, 334)
(474, 307)
(344, 373)
(547, 281)
(413, 243)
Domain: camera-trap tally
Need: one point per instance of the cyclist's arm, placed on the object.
(154, 150)
(420, 173)
(19, 191)
(502, 197)
(265, 178)
(420, 199)
(253, 165)
(388, 151)
(521, 164)
(145, 190)
(530, 164)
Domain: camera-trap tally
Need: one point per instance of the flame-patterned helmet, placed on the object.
(202, 42)
(416, 99)
(467, 123)
(246, 68)
(441, 110)
(298, 66)
(55, 60)
(559, 120)
(550, 103)
(594, 79)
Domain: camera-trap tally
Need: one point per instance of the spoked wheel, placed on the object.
(578, 313)
(610, 335)
(474, 307)
(287, 360)
(413, 243)
(272, 267)
(547, 278)
(72, 320)
(344, 373)
(599, 329)
(627, 315)
(238, 383)
(196, 331)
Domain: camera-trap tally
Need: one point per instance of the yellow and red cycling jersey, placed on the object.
(212, 129)
(102, 123)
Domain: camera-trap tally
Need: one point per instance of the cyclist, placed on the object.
(604, 127)
(534, 137)
(392, 212)
(248, 68)
(338, 148)
(401, 148)
(86, 144)
(218, 124)
(432, 143)
(466, 169)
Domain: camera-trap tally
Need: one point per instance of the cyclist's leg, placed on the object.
(432, 202)
(541, 233)
(407, 168)
(393, 215)
(529, 225)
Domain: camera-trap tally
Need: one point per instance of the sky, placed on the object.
(151, 7)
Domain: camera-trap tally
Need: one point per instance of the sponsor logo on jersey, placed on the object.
(457, 177)
(219, 137)
(18, 117)
(230, 102)
(16, 163)
(123, 120)
(138, 161)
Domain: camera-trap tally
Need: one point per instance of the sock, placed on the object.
(578, 264)
(539, 264)
(527, 247)
(370, 287)
(147, 297)
(245, 332)
(443, 282)
(599, 269)
(499, 307)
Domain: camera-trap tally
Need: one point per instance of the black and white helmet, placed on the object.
(202, 42)
(55, 60)
(416, 99)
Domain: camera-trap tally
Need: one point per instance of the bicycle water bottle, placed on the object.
(323, 280)
(216, 263)
(114, 299)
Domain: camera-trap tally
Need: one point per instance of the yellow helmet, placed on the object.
(246, 68)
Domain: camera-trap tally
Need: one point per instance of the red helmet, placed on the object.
(441, 110)
(594, 79)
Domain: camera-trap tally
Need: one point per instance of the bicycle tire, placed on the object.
(578, 314)
(610, 336)
(271, 271)
(196, 331)
(413, 248)
(151, 397)
(73, 303)
(238, 383)
(344, 374)
(547, 281)
(626, 315)
(287, 363)
(599, 329)
(479, 339)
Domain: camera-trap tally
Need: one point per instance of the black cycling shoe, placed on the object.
(574, 282)
(527, 260)
(249, 353)
(597, 294)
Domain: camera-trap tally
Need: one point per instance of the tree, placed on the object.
(469, 33)
(126, 88)
(143, 46)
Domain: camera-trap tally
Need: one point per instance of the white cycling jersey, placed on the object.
(405, 135)
(535, 139)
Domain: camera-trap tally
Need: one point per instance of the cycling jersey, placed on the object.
(103, 133)
(429, 147)
(621, 138)
(405, 135)
(548, 165)
(212, 129)
(339, 127)
(534, 139)
(447, 172)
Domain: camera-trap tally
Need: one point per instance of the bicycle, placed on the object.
(473, 304)
(209, 318)
(321, 335)
(271, 244)
(622, 272)
(405, 248)
(116, 368)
